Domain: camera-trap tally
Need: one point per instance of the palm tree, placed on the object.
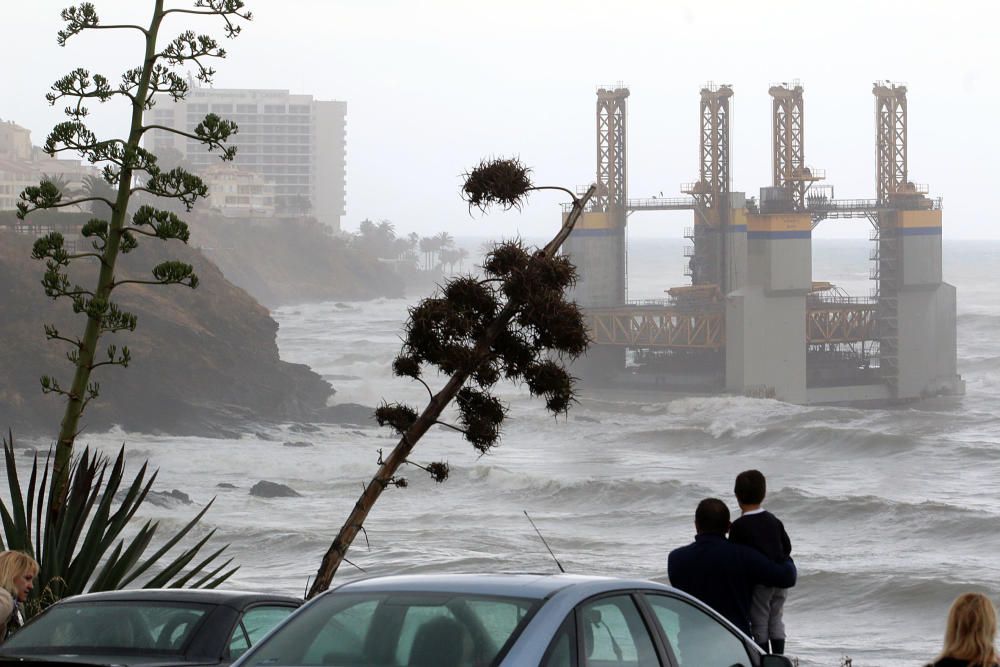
(366, 228)
(58, 180)
(95, 186)
(445, 239)
(386, 231)
(427, 246)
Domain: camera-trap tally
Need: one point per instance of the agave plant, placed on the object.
(84, 548)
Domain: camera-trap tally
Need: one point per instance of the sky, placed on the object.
(432, 86)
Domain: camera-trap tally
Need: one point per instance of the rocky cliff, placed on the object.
(204, 361)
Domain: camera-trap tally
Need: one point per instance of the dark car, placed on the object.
(161, 627)
(506, 620)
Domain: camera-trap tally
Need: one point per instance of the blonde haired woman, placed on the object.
(17, 578)
(971, 632)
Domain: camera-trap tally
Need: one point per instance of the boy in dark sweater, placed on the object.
(760, 529)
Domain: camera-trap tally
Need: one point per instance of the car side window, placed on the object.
(697, 638)
(562, 651)
(256, 623)
(342, 638)
(614, 634)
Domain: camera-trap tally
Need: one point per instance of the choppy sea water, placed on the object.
(892, 512)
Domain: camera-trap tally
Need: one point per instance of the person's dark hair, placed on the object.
(712, 516)
(751, 487)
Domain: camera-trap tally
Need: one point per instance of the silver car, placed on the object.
(505, 620)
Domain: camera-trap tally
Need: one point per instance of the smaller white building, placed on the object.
(237, 193)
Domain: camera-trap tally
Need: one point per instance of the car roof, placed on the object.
(202, 595)
(536, 586)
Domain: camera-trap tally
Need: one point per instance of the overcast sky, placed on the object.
(434, 85)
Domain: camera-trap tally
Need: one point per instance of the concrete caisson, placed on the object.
(766, 316)
(596, 246)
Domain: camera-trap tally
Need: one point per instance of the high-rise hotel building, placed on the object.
(297, 144)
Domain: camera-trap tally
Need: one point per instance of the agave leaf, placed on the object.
(197, 569)
(85, 484)
(215, 582)
(29, 500)
(202, 583)
(8, 525)
(17, 516)
(85, 487)
(95, 584)
(115, 569)
(166, 547)
(171, 570)
(134, 497)
(39, 513)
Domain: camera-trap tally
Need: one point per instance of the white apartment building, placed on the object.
(296, 144)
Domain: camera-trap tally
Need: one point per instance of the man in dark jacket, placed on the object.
(722, 574)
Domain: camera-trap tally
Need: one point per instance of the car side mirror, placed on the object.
(775, 661)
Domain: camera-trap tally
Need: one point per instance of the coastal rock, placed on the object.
(298, 443)
(350, 413)
(225, 485)
(168, 498)
(204, 361)
(266, 489)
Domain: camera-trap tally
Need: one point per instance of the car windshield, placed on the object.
(110, 627)
(408, 629)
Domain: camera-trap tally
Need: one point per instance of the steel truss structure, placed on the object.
(714, 172)
(788, 156)
(612, 183)
(835, 323)
(675, 328)
(890, 140)
(661, 328)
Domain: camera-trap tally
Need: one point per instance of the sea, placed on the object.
(892, 512)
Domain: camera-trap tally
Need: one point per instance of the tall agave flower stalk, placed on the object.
(514, 324)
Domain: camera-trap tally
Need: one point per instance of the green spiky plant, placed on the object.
(129, 169)
(84, 549)
(508, 325)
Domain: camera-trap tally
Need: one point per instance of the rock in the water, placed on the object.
(298, 443)
(225, 485)
(351, 413)
(266, 489)
(168, 498)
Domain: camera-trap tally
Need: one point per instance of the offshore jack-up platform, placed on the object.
(752, 321)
